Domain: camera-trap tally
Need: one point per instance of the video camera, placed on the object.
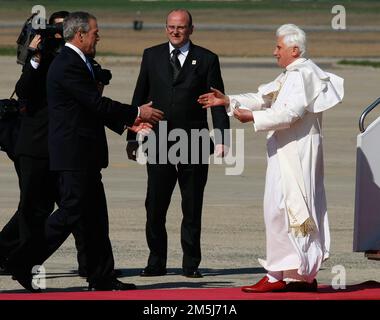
(27, 34)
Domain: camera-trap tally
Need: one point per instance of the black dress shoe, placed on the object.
(117, 273)
(192, 273)
(83, 273)
(301, 286)
(4, 271)
(111, 285)
(2, 264)
(25, 279)
(152, 272)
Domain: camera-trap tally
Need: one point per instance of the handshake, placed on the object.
(147, 118)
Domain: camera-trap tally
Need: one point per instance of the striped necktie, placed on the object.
(176, 65)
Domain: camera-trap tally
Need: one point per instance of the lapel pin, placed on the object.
(194, 62)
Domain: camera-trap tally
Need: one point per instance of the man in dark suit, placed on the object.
(172, 75)
(37, 184)
(77, 152)
(9, 125)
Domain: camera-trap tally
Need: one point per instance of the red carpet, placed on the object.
(369, 290)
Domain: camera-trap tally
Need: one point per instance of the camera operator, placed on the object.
(38, 185)
(9, 123)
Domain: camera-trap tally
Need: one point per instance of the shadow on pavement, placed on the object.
(206, 272)
(371, 284)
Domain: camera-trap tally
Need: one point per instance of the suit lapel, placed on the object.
(164, 68)
(79, 61)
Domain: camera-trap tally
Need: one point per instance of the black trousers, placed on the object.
(162, 179)
(38, 194)
(9, 235)
(82, 197)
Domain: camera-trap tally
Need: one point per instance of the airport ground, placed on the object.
(233, 230)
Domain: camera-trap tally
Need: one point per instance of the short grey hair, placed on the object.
(293, 36)
(74, 22)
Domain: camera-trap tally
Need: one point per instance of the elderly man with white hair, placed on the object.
(290, 110)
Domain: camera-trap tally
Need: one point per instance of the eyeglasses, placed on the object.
(173, 28)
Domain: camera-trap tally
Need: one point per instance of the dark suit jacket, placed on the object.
(8, 135)
(78, 114)
(31, 90)
(178, 100)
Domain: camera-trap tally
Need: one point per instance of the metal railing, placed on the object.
(372, 106)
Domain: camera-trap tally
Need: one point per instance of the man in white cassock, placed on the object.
(290, 110)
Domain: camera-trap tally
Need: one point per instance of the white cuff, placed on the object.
(34, 64)
(234, 104)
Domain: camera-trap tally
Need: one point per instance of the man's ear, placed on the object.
(296, 52)
(79, 35)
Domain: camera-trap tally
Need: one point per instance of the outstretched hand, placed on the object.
(149, 114)
(141, 127)
(213, 98)
(243, 115)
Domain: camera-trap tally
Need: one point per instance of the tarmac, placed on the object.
(233, 235)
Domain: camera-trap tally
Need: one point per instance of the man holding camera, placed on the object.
(78, 151)
(38, 185)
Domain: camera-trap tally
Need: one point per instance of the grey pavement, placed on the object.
(233, 228)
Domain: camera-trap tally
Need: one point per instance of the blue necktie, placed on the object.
(89, 66)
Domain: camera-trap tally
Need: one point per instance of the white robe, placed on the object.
(290, 108)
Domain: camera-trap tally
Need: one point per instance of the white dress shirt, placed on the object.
(183, 54)
(77, 50)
